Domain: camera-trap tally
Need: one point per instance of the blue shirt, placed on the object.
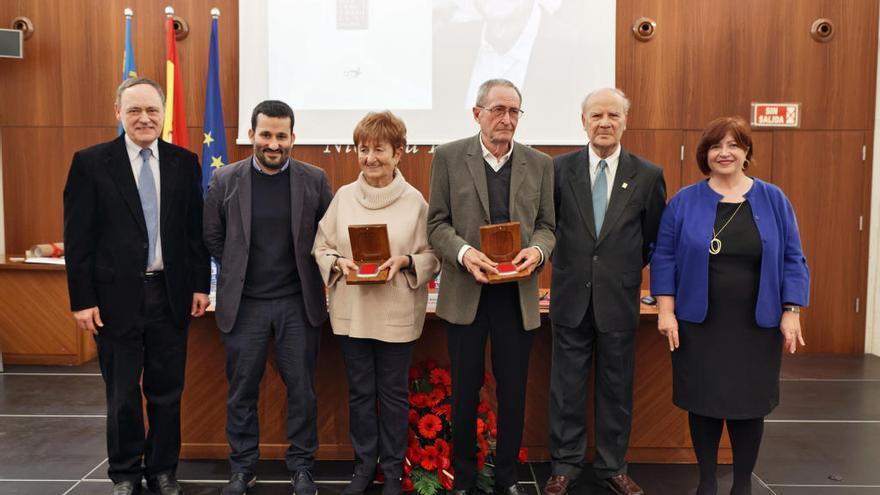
(680, 266)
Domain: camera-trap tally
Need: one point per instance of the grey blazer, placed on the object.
(459, 205)
(227, 234)
(605, 267)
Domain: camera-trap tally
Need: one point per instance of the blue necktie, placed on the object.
(149, 203)
(600, 196)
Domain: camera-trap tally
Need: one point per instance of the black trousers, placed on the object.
(282, 322)
(499, 318)
(378, 402)
(157, 351)
(573, 351)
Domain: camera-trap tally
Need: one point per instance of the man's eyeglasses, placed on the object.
(500, 110)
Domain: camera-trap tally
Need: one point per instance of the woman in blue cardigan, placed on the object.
(730, 278)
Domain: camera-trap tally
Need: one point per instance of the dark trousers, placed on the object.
(573, 350)
(499, 318)
(378, 402)
(156, 349)
(284, 323)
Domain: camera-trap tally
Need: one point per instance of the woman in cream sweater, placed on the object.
(377, 325)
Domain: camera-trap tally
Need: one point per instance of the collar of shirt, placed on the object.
(521, 50)
(611, 162)
(493, 162)
(260, 170)
(134, 150)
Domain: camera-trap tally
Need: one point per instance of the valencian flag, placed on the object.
(128, 65)
(214, 142)
(175, 116)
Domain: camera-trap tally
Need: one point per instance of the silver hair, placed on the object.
(134, 81)
(487, 86)
(615, 91)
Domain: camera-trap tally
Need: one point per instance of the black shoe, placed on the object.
(392, 486)
(458, 491)
(164, 484)
(127, 488)
(513, 489)
(359, 484)
(239, 484)
(303, 483)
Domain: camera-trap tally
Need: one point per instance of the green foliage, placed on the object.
(486, 479)
(425, 482)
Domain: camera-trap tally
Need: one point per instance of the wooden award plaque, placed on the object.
(501, 243)
(369, 249)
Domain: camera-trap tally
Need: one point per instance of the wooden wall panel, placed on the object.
(30, 88)
(834, 81)
(827, 203)
(650, 73)
(751, 50)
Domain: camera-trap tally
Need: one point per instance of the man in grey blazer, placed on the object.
(608, 206)
(481, 180)
(261, 215)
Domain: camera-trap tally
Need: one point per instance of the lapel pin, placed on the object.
(624, 185)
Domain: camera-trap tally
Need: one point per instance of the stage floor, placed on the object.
(824, 438)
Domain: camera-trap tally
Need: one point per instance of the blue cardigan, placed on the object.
(680, 266)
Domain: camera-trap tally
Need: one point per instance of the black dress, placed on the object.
(727, 366)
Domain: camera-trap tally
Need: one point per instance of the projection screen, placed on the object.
(335, 60)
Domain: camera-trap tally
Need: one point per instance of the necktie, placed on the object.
(149, 203)
(600, 196)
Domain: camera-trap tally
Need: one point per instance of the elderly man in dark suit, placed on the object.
(137, 271)
(608, 206)
(261, 215)
(480, 180)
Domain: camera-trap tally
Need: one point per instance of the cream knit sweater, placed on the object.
(393, 311)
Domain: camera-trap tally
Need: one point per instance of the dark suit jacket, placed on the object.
(459, 206)
(228, 234)
(105, 236)
(604, 267)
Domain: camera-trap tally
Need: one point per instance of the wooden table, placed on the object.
(36, 326)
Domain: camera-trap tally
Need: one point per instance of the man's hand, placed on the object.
(88, 319)
(527, 258)
(200, 304)
(478, 264)
(396, 264)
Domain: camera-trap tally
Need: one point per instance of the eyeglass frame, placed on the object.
(517, 112)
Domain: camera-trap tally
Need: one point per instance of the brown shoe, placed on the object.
(622, 484)
(557, 485)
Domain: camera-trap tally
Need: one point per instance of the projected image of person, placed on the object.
(508, 31)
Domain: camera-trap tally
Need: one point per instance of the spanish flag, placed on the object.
(175, 115)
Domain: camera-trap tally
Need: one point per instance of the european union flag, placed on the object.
(128, 66)
(214, 142)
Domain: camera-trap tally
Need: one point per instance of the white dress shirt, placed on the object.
(134, 157)
(610, 170)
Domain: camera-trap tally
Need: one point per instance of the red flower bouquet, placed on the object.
(428, 465)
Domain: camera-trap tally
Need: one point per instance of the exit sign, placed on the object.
(776, 114)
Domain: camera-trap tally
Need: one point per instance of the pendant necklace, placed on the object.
(715, 243)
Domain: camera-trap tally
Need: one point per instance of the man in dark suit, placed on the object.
(480, 180)
(261, 215)
(136, 271)
(608, 206)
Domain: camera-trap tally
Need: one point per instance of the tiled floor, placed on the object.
(824, 439)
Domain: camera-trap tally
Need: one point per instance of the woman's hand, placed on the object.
(396, 264)
(667, 324)
(790, 326)
(346, 265)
